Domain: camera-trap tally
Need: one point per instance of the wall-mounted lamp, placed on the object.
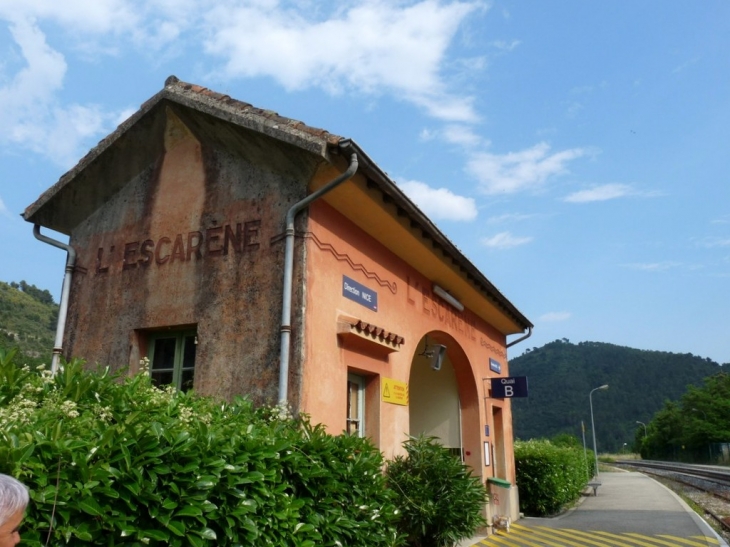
(435, 354)
(448, 298)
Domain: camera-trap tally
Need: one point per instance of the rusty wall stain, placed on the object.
(189, 242)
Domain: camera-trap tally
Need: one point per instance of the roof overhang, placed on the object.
(371, 200)
(379, 207)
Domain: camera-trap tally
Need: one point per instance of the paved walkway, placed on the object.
(630, 509)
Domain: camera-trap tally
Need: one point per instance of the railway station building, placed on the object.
(245, 253)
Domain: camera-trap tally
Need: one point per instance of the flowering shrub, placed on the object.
(115, 461)
(549, 477)
(442, 502)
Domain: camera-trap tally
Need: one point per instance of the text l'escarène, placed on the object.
(223, 240)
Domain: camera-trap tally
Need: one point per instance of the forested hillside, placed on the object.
(561, 375)
(28, 318)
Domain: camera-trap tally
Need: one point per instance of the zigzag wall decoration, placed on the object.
(343, 257)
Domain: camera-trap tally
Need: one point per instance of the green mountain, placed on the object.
(561, 376)
(28, 318)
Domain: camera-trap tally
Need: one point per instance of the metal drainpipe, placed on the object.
(525, 337)
(65, 290)
(289, 268)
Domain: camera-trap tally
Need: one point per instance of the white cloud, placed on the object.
(40, 79)
(32, 117)
(462, 135)
(371, 47)
(555, 317)
(685, 65)
(99, 16)
(506, 46)
(509, 217)
(368, 47)
(151, 24)
(440, 203)
(600, 193)
(654, 266)
(606, 192)
(4, 211)
(505, 240)
(520, 171)
(711, 242)
(454, 133)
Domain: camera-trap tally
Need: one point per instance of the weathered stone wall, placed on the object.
(192, 241)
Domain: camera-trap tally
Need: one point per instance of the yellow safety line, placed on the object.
(541, 536)
(587, 537)
(563, 536)
(629, 539)
(508, 539)
(669, 544)
(691, 541)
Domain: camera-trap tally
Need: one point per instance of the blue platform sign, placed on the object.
(512, 386)
(495, 366)
(359, 293)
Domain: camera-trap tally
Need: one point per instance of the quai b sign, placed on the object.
(506, 388)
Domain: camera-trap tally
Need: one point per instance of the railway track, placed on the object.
(707, 486)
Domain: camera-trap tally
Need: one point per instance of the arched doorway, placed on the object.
(443, 400)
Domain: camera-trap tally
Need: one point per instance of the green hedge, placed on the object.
(116, 462)
(549, 477)
(442, 502)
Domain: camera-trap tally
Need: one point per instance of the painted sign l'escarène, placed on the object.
(359, 293)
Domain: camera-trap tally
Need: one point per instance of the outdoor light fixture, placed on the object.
(435, 354)
(593, 425)
(448, 298)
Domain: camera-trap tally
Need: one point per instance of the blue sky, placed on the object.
(577, 152)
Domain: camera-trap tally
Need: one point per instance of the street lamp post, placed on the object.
(642, 423)
(709, 446)
(593, 424)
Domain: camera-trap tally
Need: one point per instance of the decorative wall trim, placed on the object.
(496, 349)
(344, 257)
(348, 327)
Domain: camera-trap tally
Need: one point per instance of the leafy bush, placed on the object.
(442, 502)
(550, 477)
(114, 461)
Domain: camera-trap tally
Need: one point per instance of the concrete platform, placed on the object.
(629, 509)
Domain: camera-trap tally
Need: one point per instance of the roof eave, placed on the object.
(420, 221)
(313, 140)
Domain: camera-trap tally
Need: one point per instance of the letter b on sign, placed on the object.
(506, 388)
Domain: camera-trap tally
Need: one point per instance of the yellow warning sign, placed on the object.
(393, 391)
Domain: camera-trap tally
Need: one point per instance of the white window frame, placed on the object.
(359, 417)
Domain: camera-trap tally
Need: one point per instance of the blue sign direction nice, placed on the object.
(506, 388)
(359, 293)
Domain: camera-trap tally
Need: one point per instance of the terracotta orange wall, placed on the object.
(336, 247)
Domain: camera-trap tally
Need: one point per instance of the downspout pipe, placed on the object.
(65, 291)
(525, 337)
(344, 145)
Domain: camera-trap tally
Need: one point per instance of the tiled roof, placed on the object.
(90, 182)
(227, 102)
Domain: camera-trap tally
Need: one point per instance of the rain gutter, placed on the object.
(525, 337)
(346, 146)
(65, 290)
